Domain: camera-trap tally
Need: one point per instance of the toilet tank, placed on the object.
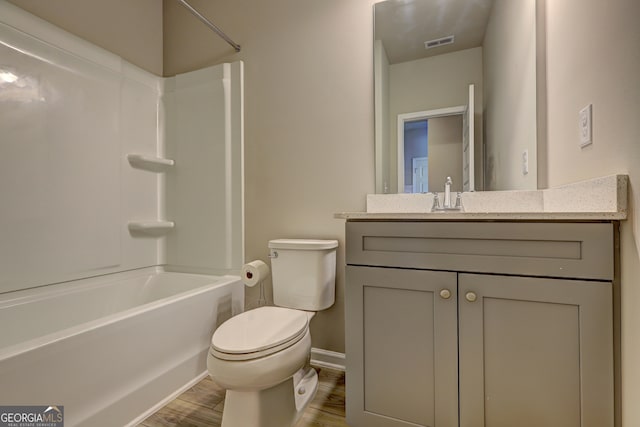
(303, 273)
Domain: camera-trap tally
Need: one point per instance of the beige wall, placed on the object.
(509, 51)
(428, 84)
(130, 29)
(308, 117)
(593, 56)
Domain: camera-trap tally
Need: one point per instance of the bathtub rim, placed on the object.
(64, 288)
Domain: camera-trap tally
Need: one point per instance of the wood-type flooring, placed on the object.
(202, 405)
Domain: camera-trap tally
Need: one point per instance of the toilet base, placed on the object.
(279, 406)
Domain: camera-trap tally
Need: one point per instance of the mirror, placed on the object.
(427, 56)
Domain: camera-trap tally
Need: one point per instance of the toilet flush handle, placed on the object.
(273, 254)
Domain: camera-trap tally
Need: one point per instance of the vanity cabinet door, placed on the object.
(401, 337)
(535, 352)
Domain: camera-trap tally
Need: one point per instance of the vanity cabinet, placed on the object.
(405, 367)
(479, 324)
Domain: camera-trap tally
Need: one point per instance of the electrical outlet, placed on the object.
(525, 162)
(584, 125)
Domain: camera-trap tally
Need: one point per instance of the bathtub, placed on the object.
(111, 349)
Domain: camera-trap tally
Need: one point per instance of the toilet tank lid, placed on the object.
(302, 244)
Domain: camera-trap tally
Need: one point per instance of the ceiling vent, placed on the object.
(430, 44)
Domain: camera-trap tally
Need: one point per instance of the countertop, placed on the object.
(600, 199)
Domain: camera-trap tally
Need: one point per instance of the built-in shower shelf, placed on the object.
(151, 227)
(150, 163)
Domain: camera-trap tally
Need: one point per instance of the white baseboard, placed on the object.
(328, 359)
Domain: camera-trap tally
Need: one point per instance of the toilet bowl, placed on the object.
(261, 357)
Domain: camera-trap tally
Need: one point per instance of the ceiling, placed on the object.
(404, 26)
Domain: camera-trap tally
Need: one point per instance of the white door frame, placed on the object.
(468, 144)
(412, 117)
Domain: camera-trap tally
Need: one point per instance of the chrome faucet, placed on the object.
(446, 205)
(447, 193)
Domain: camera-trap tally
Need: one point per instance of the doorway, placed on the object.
(420, 174)
(457, 148)
(430, 149)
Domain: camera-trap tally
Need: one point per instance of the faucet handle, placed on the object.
(436, 201)
(459, 200)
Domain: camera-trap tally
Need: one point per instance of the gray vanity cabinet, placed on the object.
(535, 352)
(479, 324)
(405, 369)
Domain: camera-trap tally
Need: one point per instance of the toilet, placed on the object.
(261, 357)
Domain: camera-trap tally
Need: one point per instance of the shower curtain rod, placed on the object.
(211, 25)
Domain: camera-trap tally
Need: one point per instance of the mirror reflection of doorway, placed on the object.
(416, 160)
(420, 174)
(432, 152)
(446, 137)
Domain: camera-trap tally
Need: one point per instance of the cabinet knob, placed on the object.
(471, 296)
(445, 294)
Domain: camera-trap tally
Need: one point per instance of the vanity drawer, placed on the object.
(574, 250)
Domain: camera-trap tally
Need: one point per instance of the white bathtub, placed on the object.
(110, 349)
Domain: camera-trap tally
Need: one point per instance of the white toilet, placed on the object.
(261, 356)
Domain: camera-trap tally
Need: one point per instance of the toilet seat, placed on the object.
(258, 333)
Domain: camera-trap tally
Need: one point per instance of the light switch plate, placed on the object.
(584, 125)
